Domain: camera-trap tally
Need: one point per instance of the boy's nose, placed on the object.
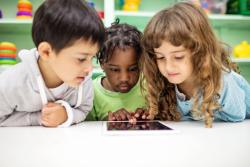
(88, 68)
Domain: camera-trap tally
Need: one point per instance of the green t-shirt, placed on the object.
(105, 101)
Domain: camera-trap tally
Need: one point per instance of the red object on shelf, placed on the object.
(101, 14)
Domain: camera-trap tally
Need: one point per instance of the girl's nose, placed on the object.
(124, 76)
(169, 66)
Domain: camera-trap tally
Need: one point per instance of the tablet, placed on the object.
(140, 127)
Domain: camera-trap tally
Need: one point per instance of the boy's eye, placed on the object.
(81, 59)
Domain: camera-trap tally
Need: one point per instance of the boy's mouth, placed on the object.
(80, 79)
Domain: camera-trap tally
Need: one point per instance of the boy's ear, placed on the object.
(44, 50)
(101, 62)
(101, 65)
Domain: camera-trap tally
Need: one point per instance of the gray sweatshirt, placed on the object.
(23, 95)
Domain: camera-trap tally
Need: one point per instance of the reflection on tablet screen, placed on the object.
(139, 125)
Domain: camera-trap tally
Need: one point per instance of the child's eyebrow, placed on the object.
(135, 64)
(85, 53)
(112, 65)
(177, 51)
(174, 51)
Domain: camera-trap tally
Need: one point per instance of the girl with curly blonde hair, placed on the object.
(188, 72)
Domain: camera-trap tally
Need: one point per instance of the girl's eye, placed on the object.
(160, 58)
(133, 69)
(114, 69)
(179, 57)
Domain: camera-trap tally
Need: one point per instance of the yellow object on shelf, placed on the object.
(242, 50)
(131, 5)
(7, 53)
(24, 9)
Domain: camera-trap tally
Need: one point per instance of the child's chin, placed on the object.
(74, 84)
(124, 91)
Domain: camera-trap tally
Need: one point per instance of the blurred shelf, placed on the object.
(218, 20)
(229, 17)
(230, 21)
(15, 21)
(241, 60)
(12, 25)
(137, 14)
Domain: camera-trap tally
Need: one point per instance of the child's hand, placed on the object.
(53, 114)
(141, 114)
(119, 115)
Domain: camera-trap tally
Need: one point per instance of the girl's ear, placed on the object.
(44, 50)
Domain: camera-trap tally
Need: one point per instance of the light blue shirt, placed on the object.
(234, 100)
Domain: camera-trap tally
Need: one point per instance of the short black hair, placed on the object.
(120, 36)
(62, 22)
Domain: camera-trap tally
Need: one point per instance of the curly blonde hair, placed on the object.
(184, 25)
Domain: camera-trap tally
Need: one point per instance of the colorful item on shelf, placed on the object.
(92, 4)
(245, 7)
(131, 5)
(24, 9)
(1, 14)
(242, 50)
(7, 53)
(238, 7)
(101, 14)
(119, 4)
(211, 6)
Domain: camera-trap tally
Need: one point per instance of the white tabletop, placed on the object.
(85, 145)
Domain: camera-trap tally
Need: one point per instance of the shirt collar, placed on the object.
(180, 96)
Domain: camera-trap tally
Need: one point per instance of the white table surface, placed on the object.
(85, 145)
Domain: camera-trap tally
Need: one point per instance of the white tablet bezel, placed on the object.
(138, 132)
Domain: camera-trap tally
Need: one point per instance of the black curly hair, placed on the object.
(120, 36)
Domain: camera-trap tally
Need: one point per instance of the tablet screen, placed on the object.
(139, 125)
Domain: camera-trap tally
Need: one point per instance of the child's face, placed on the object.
(174, 63)
(72, 64)
(121, 70)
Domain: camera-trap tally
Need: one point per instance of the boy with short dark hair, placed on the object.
(52, 85)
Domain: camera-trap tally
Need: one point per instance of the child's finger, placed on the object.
(132, 120)
(122, 114)
(128, 115)
(145, 115)
(44, 123)
(150, 117)
(110, 116)
(46, 111)
(117, 116)
(138, 112)
(51, 104)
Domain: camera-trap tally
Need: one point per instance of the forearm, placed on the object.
(233, 106)
(233, 113)
(74, 115)
(21, 119)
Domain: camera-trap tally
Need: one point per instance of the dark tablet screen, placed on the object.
(139, 125)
